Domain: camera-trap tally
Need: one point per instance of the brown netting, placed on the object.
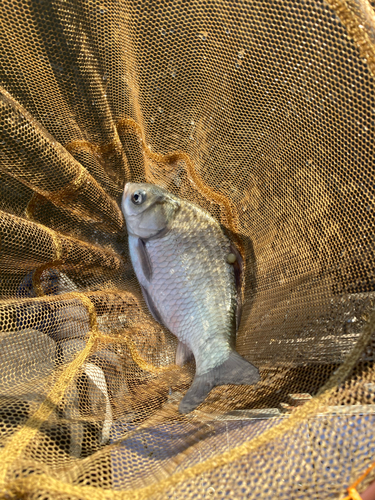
(262, 112)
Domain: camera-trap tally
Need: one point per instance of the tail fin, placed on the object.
(235, 370)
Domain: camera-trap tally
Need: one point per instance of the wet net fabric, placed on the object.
(260, 112)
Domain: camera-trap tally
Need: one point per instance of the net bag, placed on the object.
(262, 113)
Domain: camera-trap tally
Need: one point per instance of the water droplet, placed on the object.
(227, 31)
(192, 122)
(152, 120)
(160, 109)
(241, 54)
(210, 490)
(231, 258)
(105, 77)
(191, 137)
(173, 74)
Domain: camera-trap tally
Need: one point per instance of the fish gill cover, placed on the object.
(261, 113)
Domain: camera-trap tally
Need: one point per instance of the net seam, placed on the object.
(357, 33)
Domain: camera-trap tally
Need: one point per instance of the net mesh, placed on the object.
(261, 112)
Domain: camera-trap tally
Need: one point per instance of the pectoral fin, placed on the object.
(183, 354)
(144, 259)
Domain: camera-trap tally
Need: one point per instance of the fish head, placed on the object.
(148, 209)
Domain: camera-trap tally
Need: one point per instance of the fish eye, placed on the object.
(138, 197)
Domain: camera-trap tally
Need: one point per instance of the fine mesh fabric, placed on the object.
(261, 112)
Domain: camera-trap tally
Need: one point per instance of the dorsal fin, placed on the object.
(238, 268)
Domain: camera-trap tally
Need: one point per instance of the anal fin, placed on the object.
(183, 354)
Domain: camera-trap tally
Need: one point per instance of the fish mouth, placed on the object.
(126, 187)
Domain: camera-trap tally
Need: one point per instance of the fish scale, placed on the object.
(200, 260)
(179, 254)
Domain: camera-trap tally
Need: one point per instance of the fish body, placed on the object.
(180, 256)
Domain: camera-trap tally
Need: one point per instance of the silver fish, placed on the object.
(182, 261)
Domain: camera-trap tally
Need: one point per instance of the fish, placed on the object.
(190, 276)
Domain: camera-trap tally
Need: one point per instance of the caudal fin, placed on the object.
(235, 370)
